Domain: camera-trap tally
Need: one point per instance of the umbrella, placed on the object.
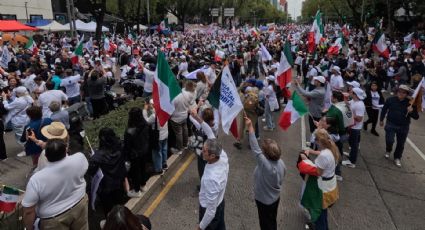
(13, 39)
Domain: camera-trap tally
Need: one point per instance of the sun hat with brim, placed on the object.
(355, 84)
(359, 93)
(320, 79)
(405, 88)
(56, 130)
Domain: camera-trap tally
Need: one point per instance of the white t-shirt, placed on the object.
(358, 109)
(48, 97)
(58, 186)
(211, 76)
(337, 83)
(71, 85)
(326, 161)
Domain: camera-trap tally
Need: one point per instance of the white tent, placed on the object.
(87, 27)
(142, 27)
(54, 26)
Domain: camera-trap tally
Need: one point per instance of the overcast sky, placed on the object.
(294, 8)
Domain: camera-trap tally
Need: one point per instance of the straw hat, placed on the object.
(56, 130)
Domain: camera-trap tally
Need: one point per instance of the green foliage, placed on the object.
(116, 120)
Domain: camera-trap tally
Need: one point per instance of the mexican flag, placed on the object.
(8, 199)
(165, 89)
(316, 33)
(131, 37)
(336, 48)
(78, 51)
(295, 109)
(31, 45)
(265, 54)
(162, 26)
(254, 32)
(224, 97)
(345, 30)
(284, 71)
(379, 45)
(219, 55)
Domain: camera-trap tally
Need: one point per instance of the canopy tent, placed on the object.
(13, 38)
(142, 27)
(54, 26)
(39, 22)
(87, 27)
(12, 25)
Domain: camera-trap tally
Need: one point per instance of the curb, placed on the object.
(157, 182)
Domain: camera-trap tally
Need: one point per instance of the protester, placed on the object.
(268, 178)
(72, 87)
(45, 99)
(59, 114)
(121, 218)
(398, 112)
(57, 194)
(109, 158)
(271, 102)
(96, 90)
(213, 186)
(374, 101)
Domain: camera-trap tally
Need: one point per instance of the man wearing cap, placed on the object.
(358, 110)
(72, 86)
(57, 194)
(336, 81)
(398, 112)
(315, 98)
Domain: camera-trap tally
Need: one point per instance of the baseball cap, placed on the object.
(321, 79)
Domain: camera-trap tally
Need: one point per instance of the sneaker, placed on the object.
(160, 173)
(387, 155)
(4, 159)
(374, 133)
(348, 164)
(397, 162)
(263, 120)
(339, 178)
(347, 154)
(174, 151)
(237, 145)
(21, 154)
(143, 188)
(133, 194)
(165, 167)
(365, 126)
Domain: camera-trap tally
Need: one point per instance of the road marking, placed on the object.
(168, 186)
(417, 150)
(303, 144)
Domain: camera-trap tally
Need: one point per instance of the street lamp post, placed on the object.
(26, 10)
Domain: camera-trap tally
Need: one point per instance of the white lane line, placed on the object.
(303, 144)
(417, 150)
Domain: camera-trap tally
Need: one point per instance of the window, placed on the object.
(35, 17)
(61, 18)
(8, 16)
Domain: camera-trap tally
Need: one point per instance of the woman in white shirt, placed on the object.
(271, 103)
(374, 101)
(17, 110)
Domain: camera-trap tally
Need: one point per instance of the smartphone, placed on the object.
(30, 131)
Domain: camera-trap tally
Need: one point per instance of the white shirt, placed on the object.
(213, 186)
(337, 83)
(183, 68)
(211, 76)
(326, 161)
(29, 82)
(48, 97)
(358, 109)
(71, 85)
(17, 110)
(375, 100)
(183, 103)
(58, 186)
(149, 75)
(163, 131)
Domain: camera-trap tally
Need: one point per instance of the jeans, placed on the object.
(18, 129)
(267, 215)
(99, 107)
(218, 222)
(89, 105)
(354, 141)
(322, 222)
(181, 133)
(73, 100)
(401, 133)
(269, 117)
(159, 156)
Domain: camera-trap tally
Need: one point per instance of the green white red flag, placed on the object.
(295, 109)
(224, 97)
(284, 71)
(165, 89)
(336, 47)
(31, 45)
(316, 33)
(379, 45)
(78, 51)
(8, 199)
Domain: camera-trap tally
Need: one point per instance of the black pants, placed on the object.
(137, 174)
(322, 222)
(99, 107)
(267, 215)
(3, 154)
(311, 123)
(372, 117)
(201, 166)
(218, 222)
(109, 199)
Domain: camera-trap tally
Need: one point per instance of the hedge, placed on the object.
(116, 119)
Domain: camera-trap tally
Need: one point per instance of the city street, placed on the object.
(374, 195)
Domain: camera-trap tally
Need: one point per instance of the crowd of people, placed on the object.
(340, 90)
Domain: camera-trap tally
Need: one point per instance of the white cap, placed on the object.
(360, 93)
(270, 78)
(321, 79)
(355, 84)
(21, 90)
(336, 68)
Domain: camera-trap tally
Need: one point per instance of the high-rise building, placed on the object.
(284, 5)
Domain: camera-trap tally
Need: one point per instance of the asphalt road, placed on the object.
(374, 195)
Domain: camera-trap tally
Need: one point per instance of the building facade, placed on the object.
(26, 10)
